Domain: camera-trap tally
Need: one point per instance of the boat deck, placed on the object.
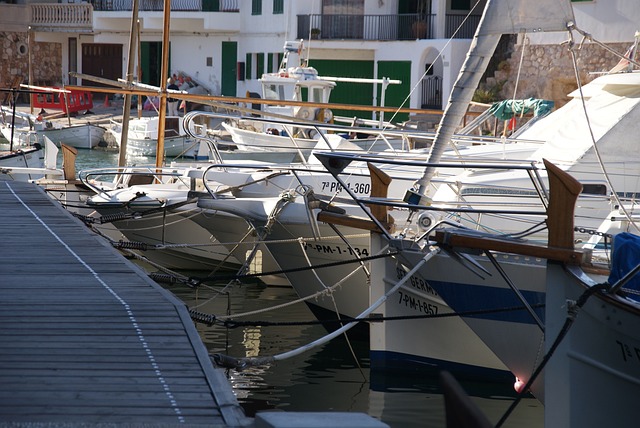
(86, 337)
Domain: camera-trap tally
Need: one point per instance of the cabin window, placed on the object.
(316, 95)
(491, 191)
(273, 92)
(594, 189)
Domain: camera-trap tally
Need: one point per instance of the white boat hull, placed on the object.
(594, 374)
(79, 136)
(172, 238)
(173, 146)
(340, 286)
(421, 338)
(29, 160)
(227, 229)
(247, 139)
(512, 335)
(85, 136)
(252, 140)
(142, 140)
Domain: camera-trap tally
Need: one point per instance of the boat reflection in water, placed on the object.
(330, 377)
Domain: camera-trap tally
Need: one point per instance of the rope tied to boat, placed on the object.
(297, 269)
(365, 313)
(134, 215)
(232, 323)
(129, 245)
(286, 197)
(202, 318)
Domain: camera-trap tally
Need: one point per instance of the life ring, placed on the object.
(304, 113)
(324, 115)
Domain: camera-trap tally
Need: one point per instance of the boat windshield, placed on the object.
(316, 95)
(273, 91)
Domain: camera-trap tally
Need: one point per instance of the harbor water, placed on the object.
(334, 376)
(331, 377)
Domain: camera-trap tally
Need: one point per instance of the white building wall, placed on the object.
(197, 36)
(189, 55)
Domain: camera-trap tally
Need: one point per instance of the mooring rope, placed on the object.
(341, 330)
(298, 269)
(228, 322)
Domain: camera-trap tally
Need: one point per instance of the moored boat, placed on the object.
(78, 135)
(142, 138)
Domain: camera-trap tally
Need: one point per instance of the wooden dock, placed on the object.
(87, 338)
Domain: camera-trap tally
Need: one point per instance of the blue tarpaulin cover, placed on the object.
(625, 257)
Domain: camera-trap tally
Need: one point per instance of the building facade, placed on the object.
(226, 45)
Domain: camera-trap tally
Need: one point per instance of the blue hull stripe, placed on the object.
(470, 297)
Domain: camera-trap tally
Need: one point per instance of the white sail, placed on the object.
(499, 17)
(517, 16)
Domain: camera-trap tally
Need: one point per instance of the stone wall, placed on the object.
(547, 71)
(46, 60)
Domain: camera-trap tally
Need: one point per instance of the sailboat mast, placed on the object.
(481, 50)
(163, 83)
(126, 108)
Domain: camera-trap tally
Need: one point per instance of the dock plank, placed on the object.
(85, 335)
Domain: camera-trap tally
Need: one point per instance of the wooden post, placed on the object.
(66, 105)
(69, 162)
(379, 187)
(563, 194)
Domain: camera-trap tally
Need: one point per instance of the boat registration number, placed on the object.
(358, 188)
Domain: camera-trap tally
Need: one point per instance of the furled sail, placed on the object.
(499, 17)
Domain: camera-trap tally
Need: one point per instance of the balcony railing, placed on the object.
(79, 16)
(76, 16)
(365, 27)
(383, 27)
(176, 5)
(461, 26)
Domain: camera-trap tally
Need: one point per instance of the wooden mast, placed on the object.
(163, 83)
(126, 108)
(29, 58)
(139, 67)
